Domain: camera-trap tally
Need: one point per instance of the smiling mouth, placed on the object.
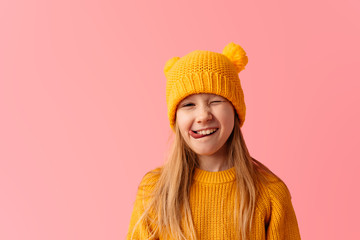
(197, 135)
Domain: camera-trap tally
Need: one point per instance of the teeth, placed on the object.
(206, 132)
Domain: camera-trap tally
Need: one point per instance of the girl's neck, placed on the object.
(214, 163)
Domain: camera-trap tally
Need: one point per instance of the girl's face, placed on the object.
(205, 111)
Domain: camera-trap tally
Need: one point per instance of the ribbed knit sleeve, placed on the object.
(144, 229)
(283, 224)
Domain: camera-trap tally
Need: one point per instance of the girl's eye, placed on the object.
(215, 101)
(189, 104)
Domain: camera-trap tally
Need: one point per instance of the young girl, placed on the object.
(210, 187)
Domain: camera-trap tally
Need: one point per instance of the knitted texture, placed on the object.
(206, 72)
(212, 200)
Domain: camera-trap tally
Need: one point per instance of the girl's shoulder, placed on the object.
(270, 184)
(275, 190)
(274, 195)
(150, 179)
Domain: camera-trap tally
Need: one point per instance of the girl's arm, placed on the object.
(143, 229)
(283, 224)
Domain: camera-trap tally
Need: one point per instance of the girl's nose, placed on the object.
(204, 115)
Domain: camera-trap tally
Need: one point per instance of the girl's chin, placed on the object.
(207, 152)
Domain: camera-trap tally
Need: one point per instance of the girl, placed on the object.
(210, 187)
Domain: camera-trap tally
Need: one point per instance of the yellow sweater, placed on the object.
(211, 202)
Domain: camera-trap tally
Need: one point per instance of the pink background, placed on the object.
(83, 112)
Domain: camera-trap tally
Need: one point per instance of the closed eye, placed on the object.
(189, 104)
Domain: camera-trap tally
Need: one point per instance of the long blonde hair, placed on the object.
(168, 210)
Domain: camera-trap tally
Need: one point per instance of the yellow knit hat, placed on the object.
(206, 72)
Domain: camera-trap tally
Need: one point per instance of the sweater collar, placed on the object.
(214, 177)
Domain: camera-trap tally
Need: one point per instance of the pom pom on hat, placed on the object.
(170, 63)
(237, 56)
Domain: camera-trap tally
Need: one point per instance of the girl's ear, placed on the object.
(237, 56)
(170, 63)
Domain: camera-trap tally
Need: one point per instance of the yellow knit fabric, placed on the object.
(211, 201)
(206, 72)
